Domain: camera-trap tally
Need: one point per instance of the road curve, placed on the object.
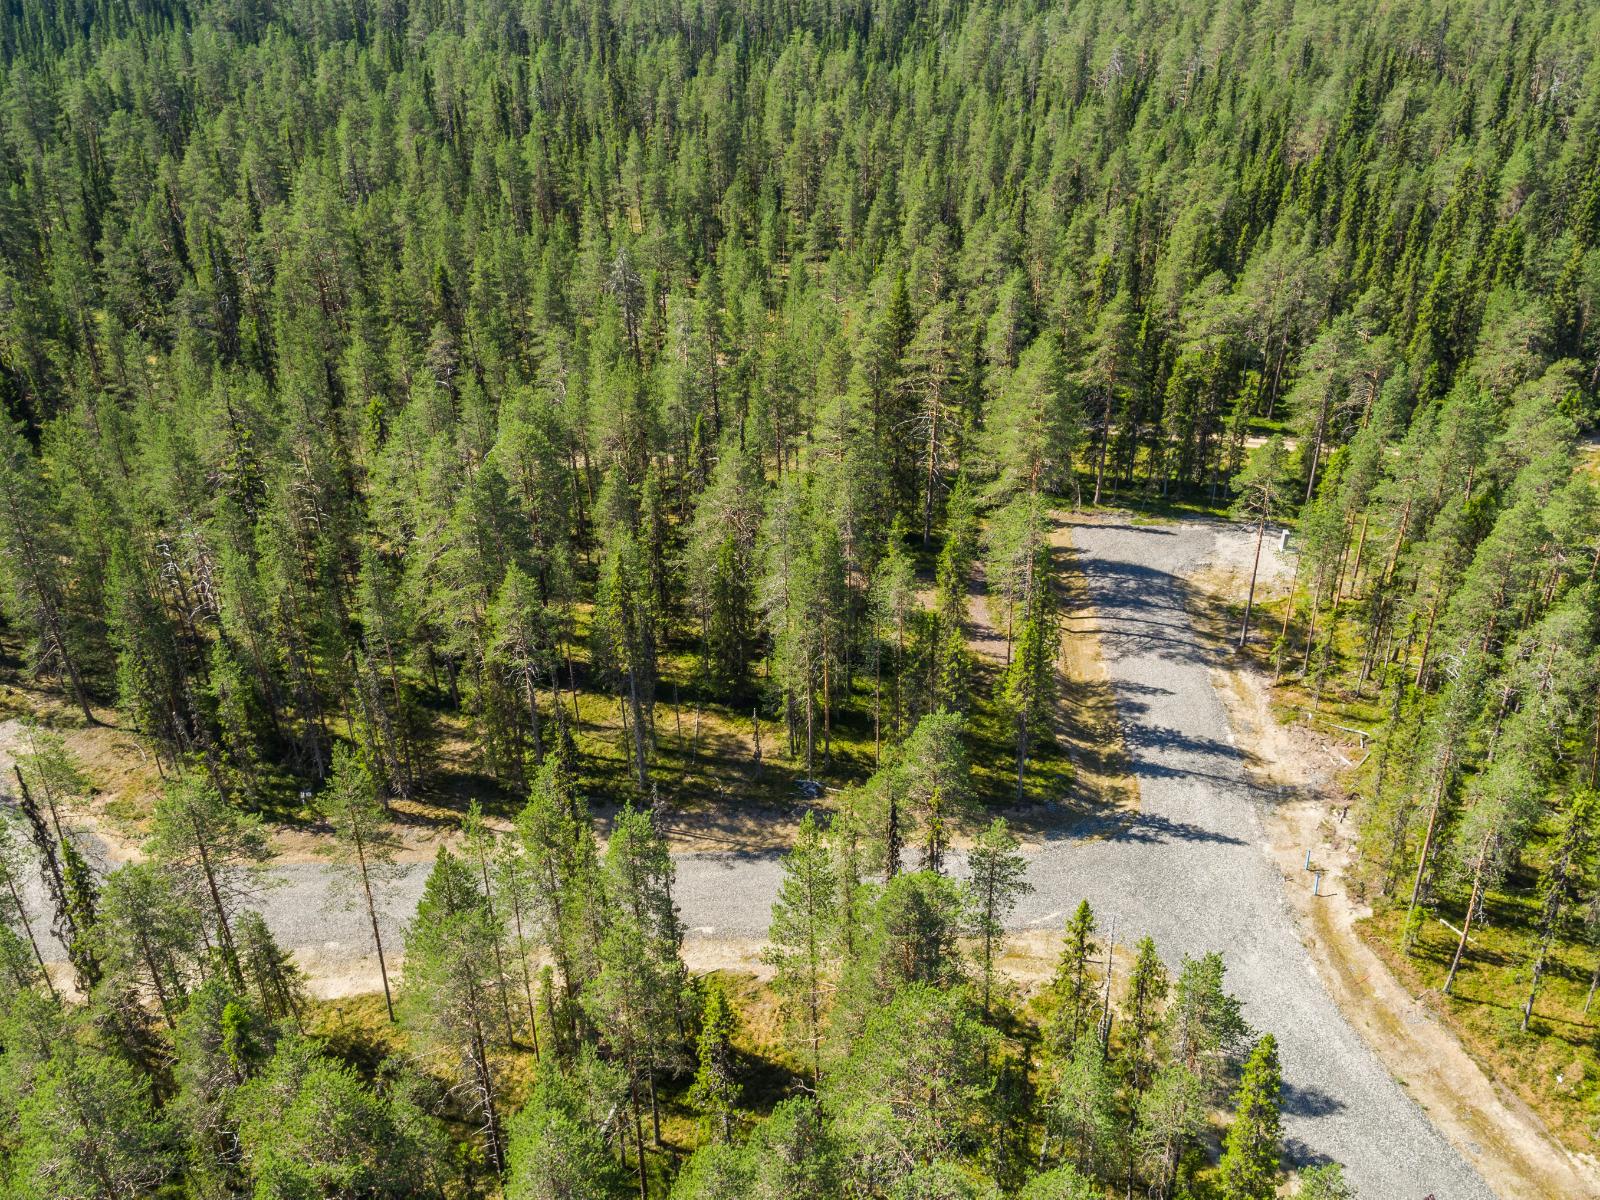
(1191, 870)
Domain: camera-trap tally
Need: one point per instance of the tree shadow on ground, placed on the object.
(1151, 828)
(1308, 1100)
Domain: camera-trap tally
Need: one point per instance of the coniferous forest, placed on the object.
(518, 409)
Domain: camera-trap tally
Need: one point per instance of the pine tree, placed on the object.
(478, 846)
(996, 878)
(892, 603)
(933, 377)
(309, 1125)
(1573, 846)
(1171, 1114)
(913, 1088)
(449, 996)
(558, 1139)
(147, 936)
(932, 776)
(719, 564)
(1249, 1169)
(950, 684)
(364, 843)
(1325, 1182)
(1035, 423)
(560, 865)
(801, 939)
(33, 554)
(1204, 1025)
(522, 643)
(716, 1090)
(211, 850)
(1062, 1183)
(1263, 487)
(1013, 541)
(1082, 1109)
(88, 1127)
(1107, 372)
(637, 1000)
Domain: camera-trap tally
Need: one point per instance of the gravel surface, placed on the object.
(1191, 870)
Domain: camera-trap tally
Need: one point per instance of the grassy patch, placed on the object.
(1553, 1067)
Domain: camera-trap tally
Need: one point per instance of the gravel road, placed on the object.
(1191, 870)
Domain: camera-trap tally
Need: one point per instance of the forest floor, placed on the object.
(1305, 763)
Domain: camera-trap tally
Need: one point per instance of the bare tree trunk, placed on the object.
(1022, 758)
(491, 1127)
(372, 915)
(638, 1137)
(1427, 634)
(1538, 974)
(27, 927)
(1105, 441)
(1355, 568)
(533, 715)
(638, 730)
(1244, 630)
(1407, 936)
(230, 954)
(1473, 901)
(891, 865)
(1288, 613)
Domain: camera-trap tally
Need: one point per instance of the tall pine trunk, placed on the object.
(1474, 900)
(1244, 630)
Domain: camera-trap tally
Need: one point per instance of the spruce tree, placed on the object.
(1031, 685)
(715, 1092)
(1249, 1168)
(1074, 989)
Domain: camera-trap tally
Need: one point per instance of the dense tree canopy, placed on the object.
(349, 347)
(382, 376)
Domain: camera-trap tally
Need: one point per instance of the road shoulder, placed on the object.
(1498, 1134)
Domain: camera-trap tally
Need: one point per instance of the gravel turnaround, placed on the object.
(1191, 870)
